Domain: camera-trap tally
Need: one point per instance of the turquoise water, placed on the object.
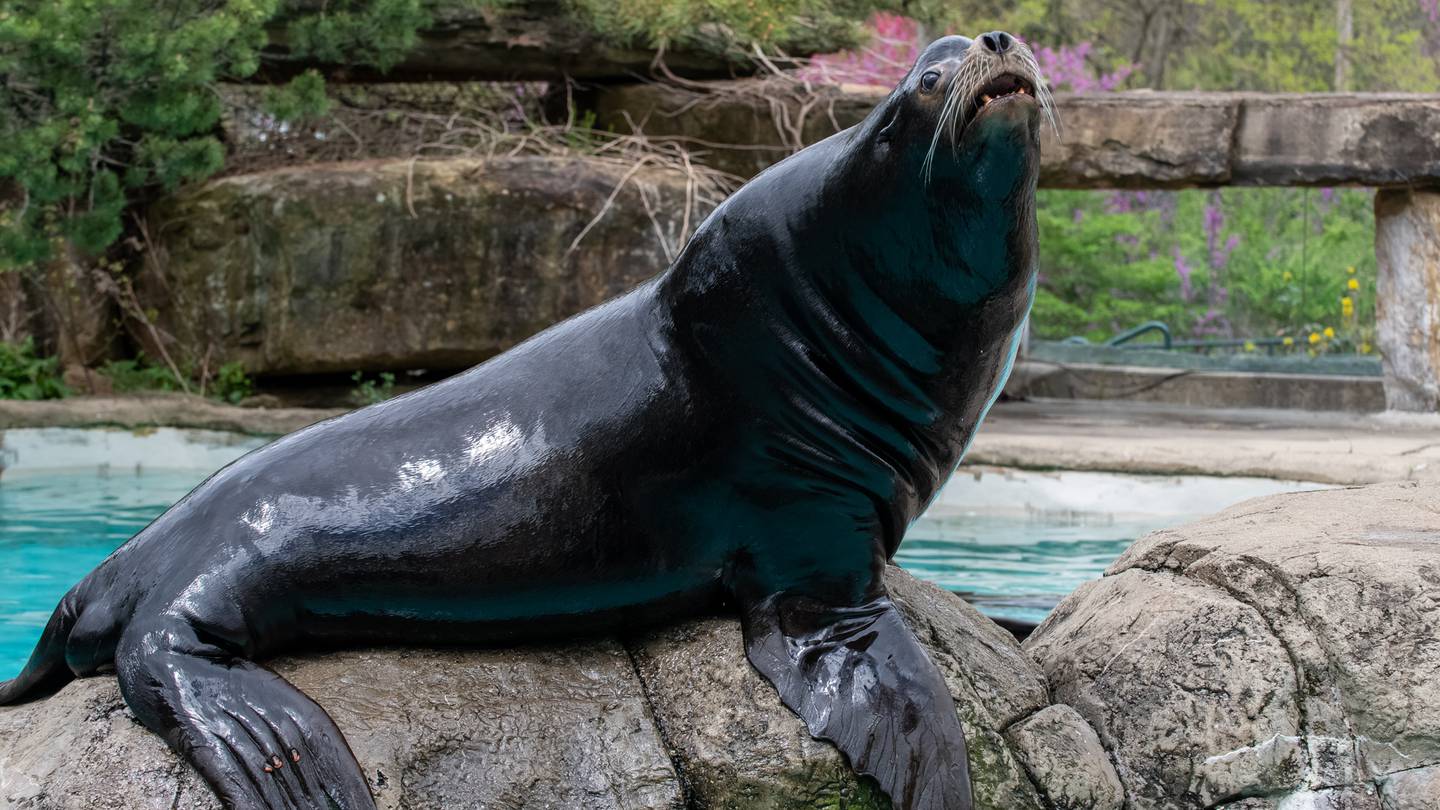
(1013, 543)
(55, 527)
(1019, 567)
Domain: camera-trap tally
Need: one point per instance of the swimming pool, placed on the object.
(1012, 542)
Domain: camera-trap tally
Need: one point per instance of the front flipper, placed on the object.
(859, 679)
(258, 741)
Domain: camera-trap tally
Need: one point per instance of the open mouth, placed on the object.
(1006, 84)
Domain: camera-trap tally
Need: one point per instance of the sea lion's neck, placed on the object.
(878, 328)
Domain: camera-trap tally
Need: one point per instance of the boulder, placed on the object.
(672, 718)
(1279, 654)
(389, 265)
(1407, 300)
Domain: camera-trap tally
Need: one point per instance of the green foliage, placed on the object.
(139, 374)
(1101, 272)
(104, 96)
(1297, 256)
(369, 391)
(228, 384)
(23, 375)
(365, 32)
(728, 25)
(105, 100)
(231, 384)
(301, 99)
(1216, 44)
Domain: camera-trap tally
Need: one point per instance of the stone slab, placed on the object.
(1133, 139)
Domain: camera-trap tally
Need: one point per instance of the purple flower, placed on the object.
(1065, 67)
(1183, 270)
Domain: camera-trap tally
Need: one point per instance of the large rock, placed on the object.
(675, 718)
(403, 264)
(1279, 654)
(1138, 139)
(1407, 301)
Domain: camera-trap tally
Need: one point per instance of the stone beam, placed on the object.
(1139, 139)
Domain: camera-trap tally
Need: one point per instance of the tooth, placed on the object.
(984, 99)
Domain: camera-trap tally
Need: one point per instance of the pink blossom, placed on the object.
(893, 47)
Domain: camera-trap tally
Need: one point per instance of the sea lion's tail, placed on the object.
(46, 671)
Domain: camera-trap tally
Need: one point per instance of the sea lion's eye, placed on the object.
(929, 80)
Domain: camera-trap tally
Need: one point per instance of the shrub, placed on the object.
(23, 375)
(1235, 263)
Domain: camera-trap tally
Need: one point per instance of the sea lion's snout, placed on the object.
(997, 42)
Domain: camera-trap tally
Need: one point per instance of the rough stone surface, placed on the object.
(738, 747)
(561, 727)
(1407, 301)
(1136, 139)
(158, 410)
(674, 718)
(1149, 438)
(399, 264)
(1064, 757)
(1197, 388)
(1279, 654)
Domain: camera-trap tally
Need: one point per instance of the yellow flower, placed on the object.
(1350, 269)
(1353, 284)
(1347, 306)
(1249, 345)
(1329, 332)
(1288, 341)
(1314, 338)
(1287, 276)
(1364, 348)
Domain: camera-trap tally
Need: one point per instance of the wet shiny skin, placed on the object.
(762, 423)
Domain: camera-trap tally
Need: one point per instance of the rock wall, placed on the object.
(403, 264)
(1280, 654)
(675, 718)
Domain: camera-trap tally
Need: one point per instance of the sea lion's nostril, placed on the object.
(997, 41)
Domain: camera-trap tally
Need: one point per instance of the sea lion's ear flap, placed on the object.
(888, 131)
(858, 678)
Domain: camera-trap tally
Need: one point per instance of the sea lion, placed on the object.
(757, 425)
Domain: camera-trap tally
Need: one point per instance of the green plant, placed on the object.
(1241, 263)
(731, 26)
(369, 391)
(231, 383)
(23, 375)
(139, 374)
(105, 101)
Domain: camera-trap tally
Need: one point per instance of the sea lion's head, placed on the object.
(932, 196)
(969, 109)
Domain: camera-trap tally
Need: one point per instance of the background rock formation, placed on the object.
(404, 264)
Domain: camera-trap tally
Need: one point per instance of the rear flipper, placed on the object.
(258, 741)
(858, 678)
